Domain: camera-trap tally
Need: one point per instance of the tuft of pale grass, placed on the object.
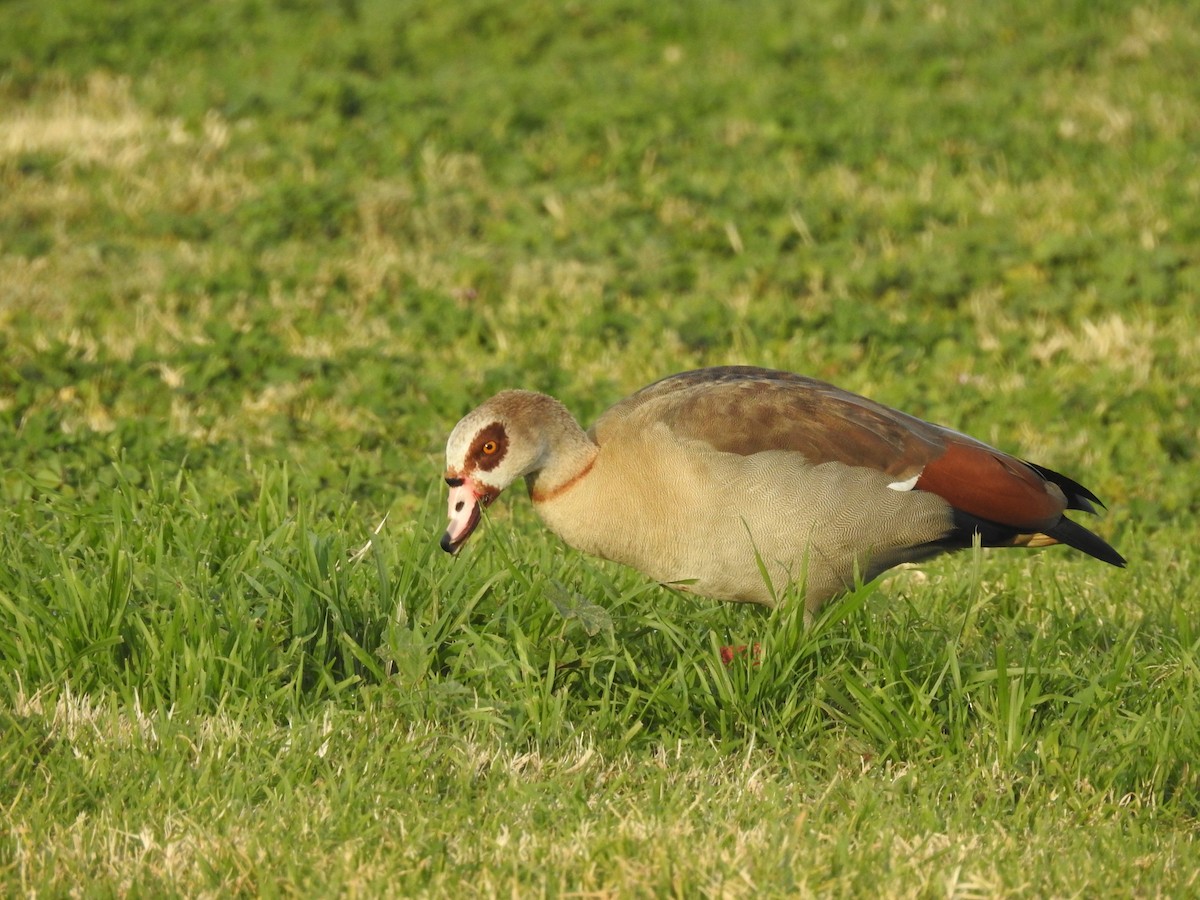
(99, 124)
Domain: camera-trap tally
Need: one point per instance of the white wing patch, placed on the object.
(906, 485)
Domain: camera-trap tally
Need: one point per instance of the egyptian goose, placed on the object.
(736, 482)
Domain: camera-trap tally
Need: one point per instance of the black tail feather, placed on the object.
(1075, 535)
(1078, 497)
(993, 534)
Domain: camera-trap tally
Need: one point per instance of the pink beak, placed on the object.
(466, 503)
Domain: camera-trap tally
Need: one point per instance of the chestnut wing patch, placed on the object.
(993, 486)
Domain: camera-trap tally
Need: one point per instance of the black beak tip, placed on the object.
(446, 544)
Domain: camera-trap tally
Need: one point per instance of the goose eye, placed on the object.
(490, 447)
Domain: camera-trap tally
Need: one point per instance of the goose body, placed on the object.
(710, 480)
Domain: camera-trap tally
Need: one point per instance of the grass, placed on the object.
(257, 258)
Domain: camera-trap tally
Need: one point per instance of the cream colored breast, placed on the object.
(627, 508)
(682, 513)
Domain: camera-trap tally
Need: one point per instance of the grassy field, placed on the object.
(258, 256)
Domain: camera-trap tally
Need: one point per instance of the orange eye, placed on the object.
(490, 447)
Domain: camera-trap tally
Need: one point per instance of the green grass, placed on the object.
(257, 258)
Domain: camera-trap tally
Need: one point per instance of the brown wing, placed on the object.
(747, 410)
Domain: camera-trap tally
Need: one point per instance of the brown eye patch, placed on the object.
(489, 447)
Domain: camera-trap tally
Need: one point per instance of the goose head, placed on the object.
(508, 437)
